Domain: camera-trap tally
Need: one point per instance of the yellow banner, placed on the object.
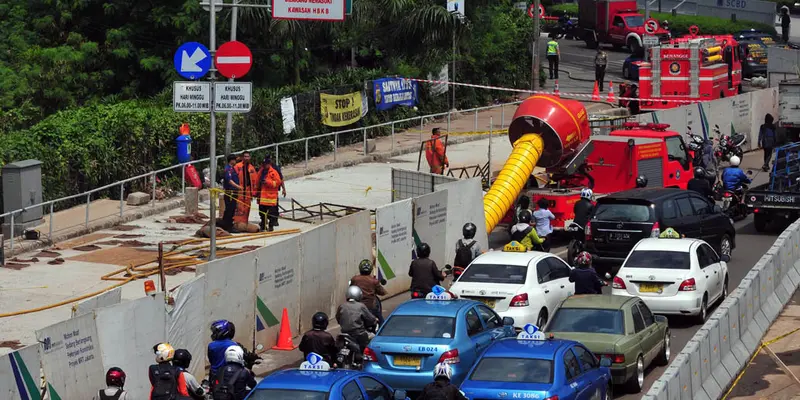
(340, 110)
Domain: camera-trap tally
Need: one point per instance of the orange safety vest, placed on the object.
(270, 183)
(239, 167)
(434, 153)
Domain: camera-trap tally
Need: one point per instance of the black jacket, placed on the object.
(701, 186)
(424, 275)
(451, 391)
(320, 342)
(583, 210)
(586, 281)
(243, 381)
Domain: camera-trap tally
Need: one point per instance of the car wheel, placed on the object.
(703, 315)
(636, 382)
(724, 290)
(663, 357)
(626, 72)
(541, 321)
(725, 245)
(609, 391)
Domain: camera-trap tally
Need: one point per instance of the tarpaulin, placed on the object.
(464, 204)
(341, 110)
(231, 293)
(390, 92)
(128, 331)
(109, 298)
(318, 273)
(71, 358)
(20, 374)
(393, 226)
(353, 244)
(186, 322)
(278, 287)
(430, 224)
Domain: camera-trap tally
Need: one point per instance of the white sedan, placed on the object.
(674, 276)
(527, 286)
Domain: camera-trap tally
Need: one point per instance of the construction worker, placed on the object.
(248, 180)
(268, 184)
(232, 192)
(553, 54)
(435, 153)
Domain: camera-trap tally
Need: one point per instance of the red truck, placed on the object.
(616, 22)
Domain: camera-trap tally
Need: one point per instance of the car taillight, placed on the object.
(656, 231)
(618, 283)
(588, 231)
(450, 357)
(756, 211)
(688, 286)
(520, 300)
(727, 194)
(615, 358)
(369, 355)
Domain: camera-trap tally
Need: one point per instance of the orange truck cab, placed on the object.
(616, 22)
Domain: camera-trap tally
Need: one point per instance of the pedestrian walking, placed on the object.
(553, 54)
(232, 192)
(600, 63)
(268, 184)
(435, 153)
(786, 19)
(767, 139)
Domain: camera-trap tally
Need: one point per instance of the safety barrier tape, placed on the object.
(565, 94)
(503, 131)
(756, 353)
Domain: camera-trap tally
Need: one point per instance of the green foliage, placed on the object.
(559, 9)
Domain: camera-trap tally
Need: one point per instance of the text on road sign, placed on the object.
(233, 96)
(191, 96)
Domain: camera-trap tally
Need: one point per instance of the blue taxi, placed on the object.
(535, 367)
(315, 380)
(438, 329)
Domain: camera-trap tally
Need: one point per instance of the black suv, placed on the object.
(621, 219)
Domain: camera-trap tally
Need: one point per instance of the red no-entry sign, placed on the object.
(233, 60)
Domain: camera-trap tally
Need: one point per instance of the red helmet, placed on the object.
(583, 258)
(115, 377)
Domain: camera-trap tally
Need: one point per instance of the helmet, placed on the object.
(641, 181)
(182, 358)
(234, 354)
(365, 267)
(586, 193)
(469, 230)
(735, 161)
(424, 251)
(115, 377)
(524, 217)
(583, 259)
(164, 352)
(319, 321)
(222, 329)
(442, 370)
(700, 173)
(354, 293)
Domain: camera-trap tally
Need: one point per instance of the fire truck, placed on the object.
(695, 68)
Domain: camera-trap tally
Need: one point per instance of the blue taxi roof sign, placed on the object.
(314, 362)
(515, 247)
(439, 293)
(531, 332)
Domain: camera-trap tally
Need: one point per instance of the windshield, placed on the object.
(587, 320)
(495, 273)
(634, 21)
(659, 259)
(623, 212)
(284, 394)
(419, 326)
(513, 370)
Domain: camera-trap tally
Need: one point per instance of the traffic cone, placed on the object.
(285, 335)
(611, 92)
(555, 89)
(596, 92)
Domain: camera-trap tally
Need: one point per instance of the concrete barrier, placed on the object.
(718, 352)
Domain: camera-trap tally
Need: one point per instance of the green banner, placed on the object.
(348, 8)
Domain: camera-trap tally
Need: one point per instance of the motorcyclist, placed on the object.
(191, 388)
(318, 340)
(700, 183)
(233, 381)
(115, 380)
(370, 288)
(525, 234)
(585, 277)
(424, 273)
(641, 181)
(355, 319)
(733, 177)
(441, 388)
(165, 378)
(222, 333)
(583, 207)
(467, 249)
(710, 162)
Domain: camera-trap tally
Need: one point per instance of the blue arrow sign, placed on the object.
(192, 60)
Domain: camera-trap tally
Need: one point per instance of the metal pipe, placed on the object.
(364, 133)
(489, 170)
(121, 198)
(183, 179)
(12, 233)
(392, 138)
(335, 144)
(476, 121)
(88, 200)
(277, 155)
(448, 122)
(421, 127)
(229, 118)
(306, 154)
(212, 224)
(154, 190)
(50, 233)
(502, 115)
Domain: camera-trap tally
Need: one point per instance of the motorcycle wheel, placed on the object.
(573, 249)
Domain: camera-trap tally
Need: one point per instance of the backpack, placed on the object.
(103, 396)
(225, 390)
(463, 254)
(519, 235)
(436, 392)
(165, 382)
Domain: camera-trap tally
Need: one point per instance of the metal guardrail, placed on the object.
(152, 175)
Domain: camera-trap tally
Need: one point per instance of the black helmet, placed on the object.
(700, 173)
(469, 230)
(365, 267)
(641, 181)
(524, 217)
(319, 321)
(424, 251)
(182, 358)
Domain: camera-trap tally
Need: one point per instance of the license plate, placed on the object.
(619, 236)
(407, 361)
(649, 288)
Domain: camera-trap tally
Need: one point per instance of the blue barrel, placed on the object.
(184, 145)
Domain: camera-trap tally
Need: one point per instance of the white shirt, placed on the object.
(543, 217)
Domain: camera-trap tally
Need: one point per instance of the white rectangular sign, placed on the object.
(233, 97)
(456, 6)
(312, 10)
(191, 97)
(650, 40)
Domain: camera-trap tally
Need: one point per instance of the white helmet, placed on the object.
(735, 161)
(234, 354)
(442, 370)
(586, 193)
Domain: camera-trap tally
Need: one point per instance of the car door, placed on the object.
(709, 230)
(678, 169)
(592, 378)
(551, 290)
(479, 337)
(652, 336)
(617, 30)
(670, 215)
(492, 323)
(573, 374)
(559, 276)
(351, 391)
(639, 332)
(709, 264)
(688, 224)
(374, 389)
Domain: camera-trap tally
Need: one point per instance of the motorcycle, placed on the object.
(348, 355)
(728, 145)
(575, 245)
(733, 202)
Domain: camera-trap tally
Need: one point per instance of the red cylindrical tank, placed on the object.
(562, 124)
(190, 172)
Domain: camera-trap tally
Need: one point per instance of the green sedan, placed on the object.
(620, 328)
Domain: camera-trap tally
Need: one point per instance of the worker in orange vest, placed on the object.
(248, 179)
(435, 154)
(269, 182)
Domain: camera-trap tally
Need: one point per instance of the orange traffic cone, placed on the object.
(285, 335)
(555, 90)
(596, 92)
(611, 92)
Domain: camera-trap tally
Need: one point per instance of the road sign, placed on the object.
(541, 11)
(207, 7)
(348, 8)
(192, 60)
(233, 97)
(650, 40)
(330, 10)
(694, 30)
(191, 97)
(650, 26)
(233, 60)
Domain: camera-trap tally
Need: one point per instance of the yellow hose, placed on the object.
(512, 178)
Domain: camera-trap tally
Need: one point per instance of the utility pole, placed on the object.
(453, 79)
(535, 46)
(212, 224)
(229, 120)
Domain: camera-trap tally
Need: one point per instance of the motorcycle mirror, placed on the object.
(608, 276)
(749, 172)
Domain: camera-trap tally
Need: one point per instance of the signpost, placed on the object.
(331, 10)
(192, 60)
(233, 60)
(233, 97)
(535, 45)
(651, 26)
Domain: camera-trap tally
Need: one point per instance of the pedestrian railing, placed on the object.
(9, 217)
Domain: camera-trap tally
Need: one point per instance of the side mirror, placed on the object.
(661, 318)
(749, 172)
(671, 157)
(725, 258)
(400, 394)
(605, 362)
(508, 321)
